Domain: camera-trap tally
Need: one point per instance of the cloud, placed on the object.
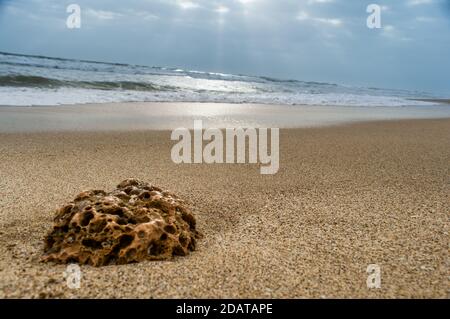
(304, 16)
(419, 2)
(222, 9)
(425, 19)
(186, 4)
(142, 15)
(389, 31)
(247, 1)
(103, 15)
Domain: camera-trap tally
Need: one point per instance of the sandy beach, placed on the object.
(345, 196)
(167, 116)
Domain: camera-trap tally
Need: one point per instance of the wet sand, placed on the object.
(345, 197)
(167, 116)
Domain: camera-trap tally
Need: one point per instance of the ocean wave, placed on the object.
(21, 96)
(48, 83)
(37, 80)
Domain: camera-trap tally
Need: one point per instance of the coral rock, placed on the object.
(135, 222)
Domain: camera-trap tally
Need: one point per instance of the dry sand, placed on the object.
(345, 197)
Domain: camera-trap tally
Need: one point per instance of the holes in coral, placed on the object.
(97, 226)
(155, 249)
(128, 189)
(49, 241)
(155, 204)
(110, 260)
(118, 211)
(106, 244)
(122, 221)
(91, 243)
(132, 221)
(110, 227)
(188, 218)
(135, 191)
(66, 209)
(125, 240)
(131, 253)
(170, 229)
(183, 240)
(65, 213)
(144, 219)
(87, 216)
(145, 195)
(141, 234)
(179, 251)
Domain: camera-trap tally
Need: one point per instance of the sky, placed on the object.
(311, 40)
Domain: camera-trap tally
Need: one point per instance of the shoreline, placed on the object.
(345, 197)
(430, 100)
(167, 116)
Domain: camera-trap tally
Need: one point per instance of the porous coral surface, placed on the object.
(134, 222)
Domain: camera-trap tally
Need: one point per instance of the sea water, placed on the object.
(37, 80)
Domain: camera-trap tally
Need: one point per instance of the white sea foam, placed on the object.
(63, 96)
(26, 80)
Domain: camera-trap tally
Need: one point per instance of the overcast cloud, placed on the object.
(314, 40)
